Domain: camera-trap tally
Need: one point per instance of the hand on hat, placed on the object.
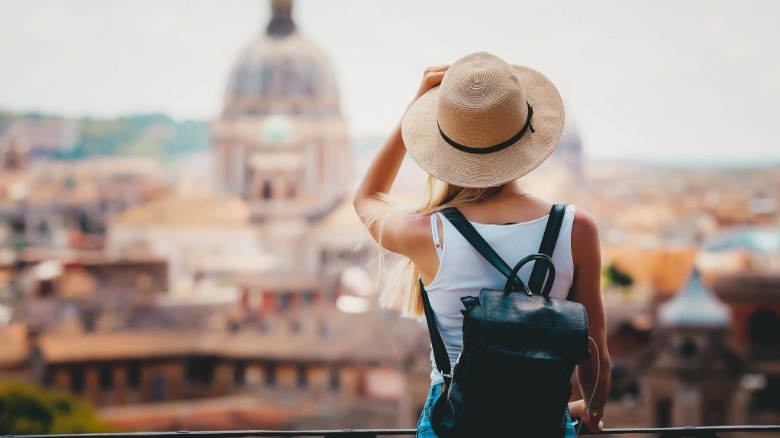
(431, 78)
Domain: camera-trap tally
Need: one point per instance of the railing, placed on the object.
(668, 432)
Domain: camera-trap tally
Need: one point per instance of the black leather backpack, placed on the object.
(520, 348)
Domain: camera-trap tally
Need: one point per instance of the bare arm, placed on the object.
(395, 233)
(594, 373)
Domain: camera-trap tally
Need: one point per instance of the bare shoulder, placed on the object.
(406, 233)
(584, 234)
(584, 223)
(416, 227)
(586, 254)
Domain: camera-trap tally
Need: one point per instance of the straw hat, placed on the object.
(486, 124)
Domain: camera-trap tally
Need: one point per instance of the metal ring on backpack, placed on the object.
(508, 287)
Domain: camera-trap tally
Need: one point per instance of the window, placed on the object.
(45, 288)
(158, 388)
(134, 375)
(302, 377)
(106, 377)
(48, 377)
(239, 373)
(334, 382)
(199, 370)
(77, 379)
(284, 300)
(267, 192)
(688, 349)
(270, 374)
(764, 329)
(308, 297)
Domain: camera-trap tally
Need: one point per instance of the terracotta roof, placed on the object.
(13, 345)
(317, 335)
(118, 345)
(176, 211)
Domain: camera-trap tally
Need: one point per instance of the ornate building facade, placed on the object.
(281, 141)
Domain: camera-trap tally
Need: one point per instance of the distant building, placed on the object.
(45, 136)
(280, 228)
(281, 142)
(693, 376)
(14, 153)
(754, 302)
(308, 368)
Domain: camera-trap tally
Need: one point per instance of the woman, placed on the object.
(488, 124)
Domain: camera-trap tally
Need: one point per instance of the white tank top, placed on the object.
(463, 271)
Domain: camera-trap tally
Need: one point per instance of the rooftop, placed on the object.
(694, 306)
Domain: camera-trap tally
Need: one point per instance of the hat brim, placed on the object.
(424, 143)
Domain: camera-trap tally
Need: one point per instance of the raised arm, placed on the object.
(397, 232)
(594, 373)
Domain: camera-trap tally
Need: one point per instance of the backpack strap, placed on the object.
(440, 355)
(468, 231)
(550, 238)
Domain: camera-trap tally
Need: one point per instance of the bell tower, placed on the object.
(693, 376)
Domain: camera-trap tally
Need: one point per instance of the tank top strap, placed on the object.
(435, 234)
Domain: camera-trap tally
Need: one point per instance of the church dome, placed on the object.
(694, 307)
(282, 72)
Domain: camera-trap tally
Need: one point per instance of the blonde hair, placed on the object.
(404, 280)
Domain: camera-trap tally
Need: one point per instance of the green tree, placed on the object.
(616, 277)
(26, 409)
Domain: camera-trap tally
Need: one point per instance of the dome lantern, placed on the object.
(281, 23)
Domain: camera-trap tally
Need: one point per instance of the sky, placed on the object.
(660, 80)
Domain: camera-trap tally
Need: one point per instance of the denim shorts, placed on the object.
(425, 430)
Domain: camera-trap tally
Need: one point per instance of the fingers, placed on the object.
(576, 408)
(434, 75)
(433, 79)
(437, 68)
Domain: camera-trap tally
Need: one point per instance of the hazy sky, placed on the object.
(660, 79)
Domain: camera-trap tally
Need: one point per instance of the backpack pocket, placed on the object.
(529, 327)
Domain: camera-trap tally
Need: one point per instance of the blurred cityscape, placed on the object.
(213, 274)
